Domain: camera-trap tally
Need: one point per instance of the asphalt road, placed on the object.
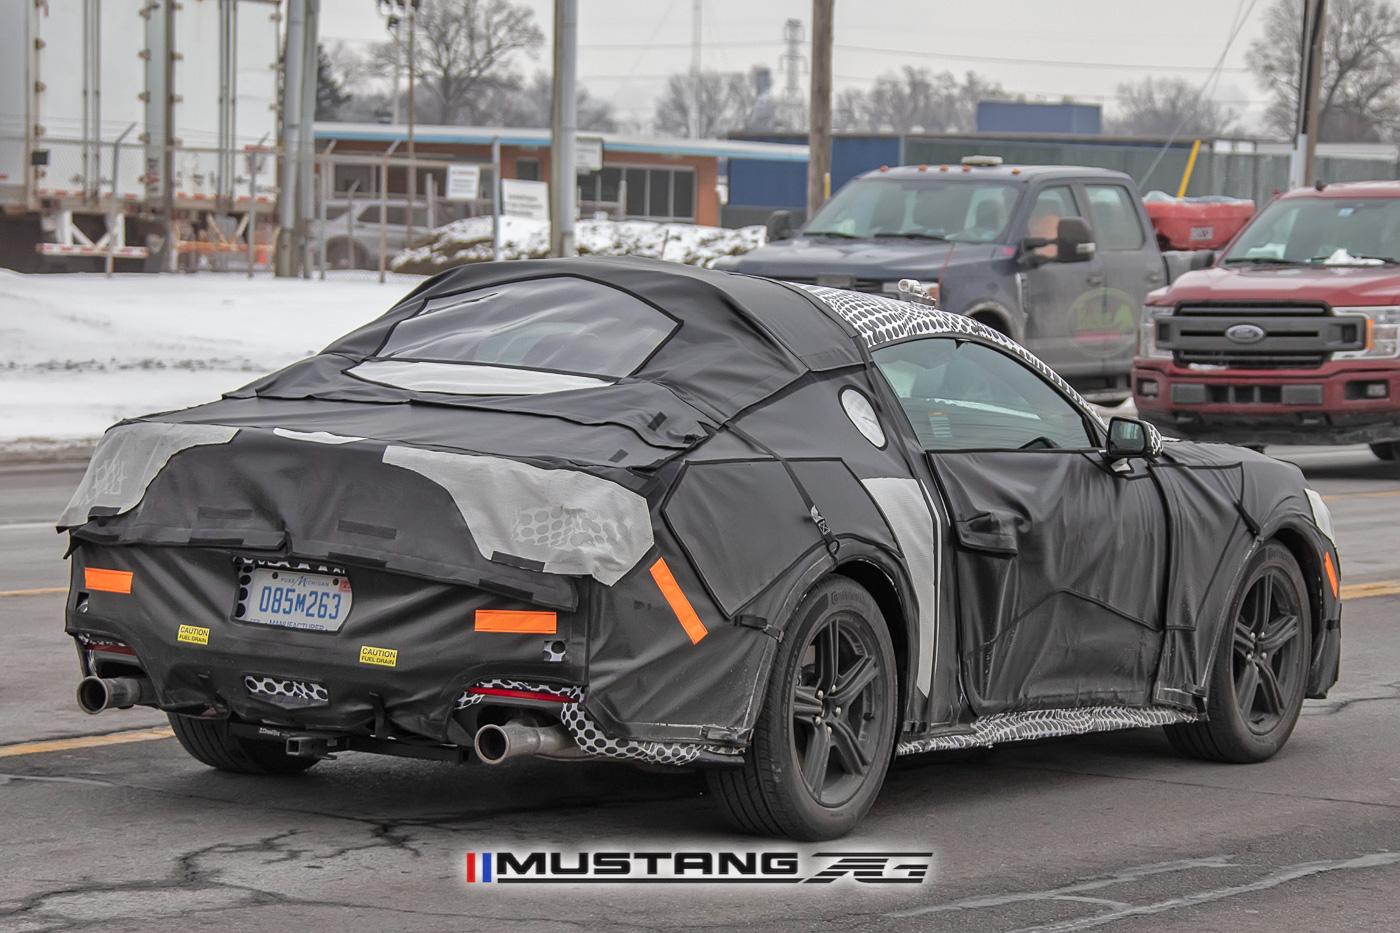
(103, 825)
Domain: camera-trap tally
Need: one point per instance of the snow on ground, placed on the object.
(469, 240)
(79, 352)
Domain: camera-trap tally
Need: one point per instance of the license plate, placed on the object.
(294, 599)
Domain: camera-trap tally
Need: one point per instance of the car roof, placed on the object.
(1012, 173)
(1348, 189)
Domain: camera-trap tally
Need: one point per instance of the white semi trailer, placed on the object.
(118, 116)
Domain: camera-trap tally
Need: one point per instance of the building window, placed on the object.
(363, 178)
(652, 193)
(527, 169)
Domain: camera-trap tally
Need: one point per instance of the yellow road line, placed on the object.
(1361, 495)
(84, 741)
(41, 591)
(1367, 590)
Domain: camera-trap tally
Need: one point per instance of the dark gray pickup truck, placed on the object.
(1058, 257)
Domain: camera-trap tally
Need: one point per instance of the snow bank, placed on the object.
(79, 352)
(469, 240)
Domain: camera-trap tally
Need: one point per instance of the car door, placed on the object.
(1053, 292)
(1059, 557)
(1132, 268)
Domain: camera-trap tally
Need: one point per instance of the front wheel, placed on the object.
(1261, 666)
(209, 741)
(825, 736)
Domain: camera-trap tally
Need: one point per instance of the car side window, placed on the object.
(1051, 204)
(1114, 218)
(961, 395)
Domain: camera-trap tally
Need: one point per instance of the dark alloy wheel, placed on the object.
(825, 736)
(1260, 670)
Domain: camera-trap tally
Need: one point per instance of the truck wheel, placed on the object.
(826, 734)
(1261, 666)
(209, 741)
(1386, 451)
(346, 254)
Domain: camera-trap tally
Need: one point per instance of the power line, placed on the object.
(1056, 63)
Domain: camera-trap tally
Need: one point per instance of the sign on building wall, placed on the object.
(588, 154)
(463, 182)
(520, 198)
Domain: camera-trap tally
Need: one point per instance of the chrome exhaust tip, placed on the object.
(496, 744)
(96, 694)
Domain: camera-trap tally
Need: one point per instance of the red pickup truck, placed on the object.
(1292, 335)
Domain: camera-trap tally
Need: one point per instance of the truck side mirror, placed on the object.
(779, 226)
(1074, 241)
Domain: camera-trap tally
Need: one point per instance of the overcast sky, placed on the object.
(1080, 48)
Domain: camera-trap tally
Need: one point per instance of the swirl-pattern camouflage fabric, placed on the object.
(881, 320)
(286, 692)
(1044, 724)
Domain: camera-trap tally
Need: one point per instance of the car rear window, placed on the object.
(557, 324)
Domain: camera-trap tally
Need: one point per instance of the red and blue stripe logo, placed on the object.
(479, 868)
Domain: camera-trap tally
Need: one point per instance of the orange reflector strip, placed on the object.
(519, 623)
(1331, 569)
(685, 612)
(107, 581)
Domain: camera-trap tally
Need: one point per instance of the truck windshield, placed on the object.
(922, 208)
(1322, 231)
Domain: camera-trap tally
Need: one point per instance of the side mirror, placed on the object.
(1074, 241)
(779, 226)
(1128, 437)
(1202, 259)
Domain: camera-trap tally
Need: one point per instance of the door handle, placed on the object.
(1095, 279)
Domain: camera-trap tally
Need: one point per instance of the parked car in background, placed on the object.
(1056, 257)
(353, 233)
(1292, 336)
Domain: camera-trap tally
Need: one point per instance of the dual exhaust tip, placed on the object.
(494, 744)
(96, 694)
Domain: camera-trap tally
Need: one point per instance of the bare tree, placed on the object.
(915, 100)
(531, 104)
(1163, 106)
(1359, 97)
(465, 50)
(727, 102)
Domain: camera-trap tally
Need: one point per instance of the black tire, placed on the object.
(346, 254)
(208, 741)
(837, 634)
(1260, 669)
(1385, 451)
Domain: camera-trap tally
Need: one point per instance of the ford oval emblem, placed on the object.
(1245, 333)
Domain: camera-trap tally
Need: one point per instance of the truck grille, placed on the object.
(1258, 337)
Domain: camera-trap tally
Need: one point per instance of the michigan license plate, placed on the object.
(293, 599)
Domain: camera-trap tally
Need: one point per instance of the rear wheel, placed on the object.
(346, 254)
(1386, 450)
(826, 734)
(1261, 666)
(209, 741)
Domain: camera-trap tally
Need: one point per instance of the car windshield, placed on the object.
(1322, 231)
(962, 211)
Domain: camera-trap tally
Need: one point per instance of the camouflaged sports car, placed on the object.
(627, 509)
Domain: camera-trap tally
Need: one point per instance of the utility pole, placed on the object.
(695, 69)
(563, 179)
(412, 158)
(292, 73)
(306, 153)
(819, 122)
(1301, 165)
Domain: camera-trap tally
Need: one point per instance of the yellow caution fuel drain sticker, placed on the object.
(193, 635)
(384, 657)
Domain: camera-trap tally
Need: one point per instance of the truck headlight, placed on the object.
(1147, 341)
(1382, 333)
